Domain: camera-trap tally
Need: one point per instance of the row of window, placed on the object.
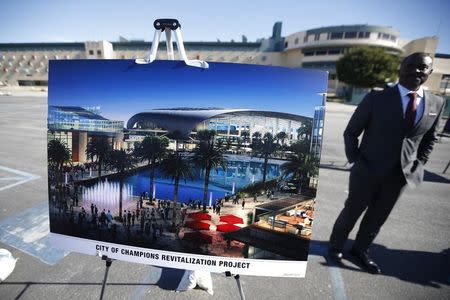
(344, 35)
(324, 52)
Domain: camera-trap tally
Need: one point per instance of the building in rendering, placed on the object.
(229, 124)
(75, 126)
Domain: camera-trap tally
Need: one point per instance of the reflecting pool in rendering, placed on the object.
(240, 172)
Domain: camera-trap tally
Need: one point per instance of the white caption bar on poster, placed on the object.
(217, 264)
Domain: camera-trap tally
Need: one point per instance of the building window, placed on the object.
(321, 52)
(336, 35)
(286, 44)
(305, 39)
(91, 52)
(99, 52)
(445, 82)
(350, 35)
(317, 36)
(308, 53)
(393, 38)
(334, 51)
(263, 58)
(383, 36)
(363, 35)
(296, 41)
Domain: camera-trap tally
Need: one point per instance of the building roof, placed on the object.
(184, 120)
(277, 205)
(357, 27)
(79, 111)
(191, 46)
(42, 46)
(287, 245)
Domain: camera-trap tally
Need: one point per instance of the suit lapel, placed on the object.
(397, 99)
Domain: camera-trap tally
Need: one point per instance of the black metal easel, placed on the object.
(238, 282)
(108, 264)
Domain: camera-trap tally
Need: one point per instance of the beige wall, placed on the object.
(425, 44)
(101, 50)
(292, 58)
(441, 65)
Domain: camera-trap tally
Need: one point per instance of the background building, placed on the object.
(27, 64)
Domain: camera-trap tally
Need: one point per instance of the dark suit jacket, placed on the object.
(386, 144)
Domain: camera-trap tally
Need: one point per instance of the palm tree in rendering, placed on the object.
(98, 148)
(304, 131)
(152, 149)
(301, 165)
(175, 135)
(265, 148)
(176, 167)
(120, 161)
(207, 155)
(58, 155)
(245, 135)
(256, 137)
(281, 137)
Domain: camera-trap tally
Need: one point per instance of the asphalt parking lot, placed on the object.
(412, 249)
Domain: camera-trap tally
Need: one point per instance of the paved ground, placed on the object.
(412, 249)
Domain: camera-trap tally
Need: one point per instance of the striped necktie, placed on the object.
(411, 110)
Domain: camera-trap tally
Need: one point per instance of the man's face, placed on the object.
(414, 71)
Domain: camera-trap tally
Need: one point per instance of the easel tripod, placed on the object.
(108, 264)
(167, 26)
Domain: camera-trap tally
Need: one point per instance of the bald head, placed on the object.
(415, 69)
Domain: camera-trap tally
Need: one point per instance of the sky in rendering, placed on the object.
(123, 88)
(203, 20)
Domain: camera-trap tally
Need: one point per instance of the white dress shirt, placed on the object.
(420, 103)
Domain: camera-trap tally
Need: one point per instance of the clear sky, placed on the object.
(209, 20)
(123, 88)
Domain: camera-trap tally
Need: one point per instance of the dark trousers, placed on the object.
(377, 194)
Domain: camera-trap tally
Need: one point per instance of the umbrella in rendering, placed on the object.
(199, 216)
(231, 219)
(198, 225)
(198, 237)
(227, 227)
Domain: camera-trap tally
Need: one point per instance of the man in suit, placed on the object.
(399, 132)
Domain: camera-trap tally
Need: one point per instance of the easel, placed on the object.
(238, 282)
(167, 26)
(108, 264)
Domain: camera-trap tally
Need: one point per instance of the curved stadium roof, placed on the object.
(185, 119)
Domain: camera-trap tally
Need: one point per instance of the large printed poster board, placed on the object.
(163, 164)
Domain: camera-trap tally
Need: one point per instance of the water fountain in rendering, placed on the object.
(106, 195)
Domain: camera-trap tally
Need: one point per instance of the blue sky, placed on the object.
(123, 88)
(81, 20)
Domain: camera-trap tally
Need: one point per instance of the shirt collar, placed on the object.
(404, 91)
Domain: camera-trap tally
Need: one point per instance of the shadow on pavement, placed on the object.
(344, 168)
(420, 267)
(170, 278)
(433, 177)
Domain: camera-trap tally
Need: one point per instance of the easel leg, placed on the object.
(445, 170)
(108, 264)
(238, 282)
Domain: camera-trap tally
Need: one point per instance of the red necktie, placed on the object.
(411, 109)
